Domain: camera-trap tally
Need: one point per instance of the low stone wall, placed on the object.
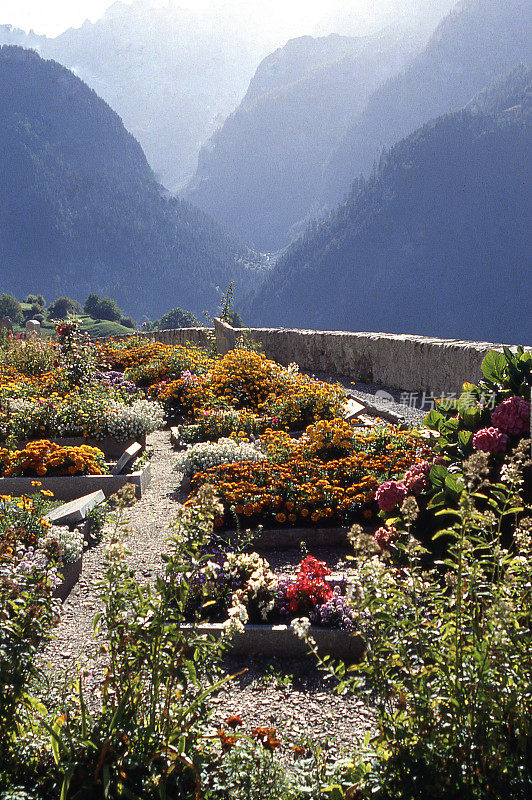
(396, 361)
(409, 363)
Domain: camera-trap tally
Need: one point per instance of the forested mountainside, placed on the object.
(260, 173)
(81, 210)
(434, 243)
(476, 43)
(172, 74)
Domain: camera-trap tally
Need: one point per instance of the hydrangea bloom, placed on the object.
(416, 479)
(391, 494)
(490, 440)
(512, 416)
(384, 537)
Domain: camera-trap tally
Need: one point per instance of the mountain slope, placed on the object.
(476, 43)
(435, 243)
(170, 73)
(258, 175)
(80, 210)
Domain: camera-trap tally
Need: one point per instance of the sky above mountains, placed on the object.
(287, 17)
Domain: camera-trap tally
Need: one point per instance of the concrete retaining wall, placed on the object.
(70, 488)
(410, 363)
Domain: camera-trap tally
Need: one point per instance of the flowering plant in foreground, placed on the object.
(449, 666)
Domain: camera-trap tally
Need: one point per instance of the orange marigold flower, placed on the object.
(268, 738)
(234, 721)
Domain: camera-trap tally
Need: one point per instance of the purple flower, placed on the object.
(336, 612)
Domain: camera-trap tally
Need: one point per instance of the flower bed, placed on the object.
(42, 457)
(259, 391)
(240, 588)
(294, 486)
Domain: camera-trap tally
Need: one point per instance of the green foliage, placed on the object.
(102, 308)
(145, 741)
(177, 318)
(449, 665)
(10, 307)
(505, 374)
(26, 614)
(227, 311)
(35, 300)
(62, 307)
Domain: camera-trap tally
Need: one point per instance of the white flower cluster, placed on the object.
(202, 456)
(238, 616)
(26, 562)
(115, 551)
(71, 542)
(261, 583)
(129, 422)
(301, 627)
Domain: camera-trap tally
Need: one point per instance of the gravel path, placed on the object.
(289, 695)
(392, 404)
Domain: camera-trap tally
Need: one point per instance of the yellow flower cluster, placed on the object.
(121, 357)
(43, 457)
(246, 380)
(330, 438)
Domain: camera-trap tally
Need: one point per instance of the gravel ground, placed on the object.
(388, 402)
(289, 695)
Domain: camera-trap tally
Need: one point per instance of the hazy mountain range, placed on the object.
(172, 74)
(258, 174)
(435, 243)
(427, 238)
(321, 117)
(81, 211)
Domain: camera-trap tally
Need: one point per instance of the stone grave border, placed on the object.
(70, 488)
(281, 641)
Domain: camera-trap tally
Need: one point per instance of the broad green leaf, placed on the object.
(493, 366)
(437, 474)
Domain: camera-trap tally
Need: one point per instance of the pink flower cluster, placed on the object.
(417, 477)
(390, 494)
(188, 378)
(490, 440)
(512, 416)
(384, 537)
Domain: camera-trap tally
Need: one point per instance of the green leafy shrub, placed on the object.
(449, 661)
